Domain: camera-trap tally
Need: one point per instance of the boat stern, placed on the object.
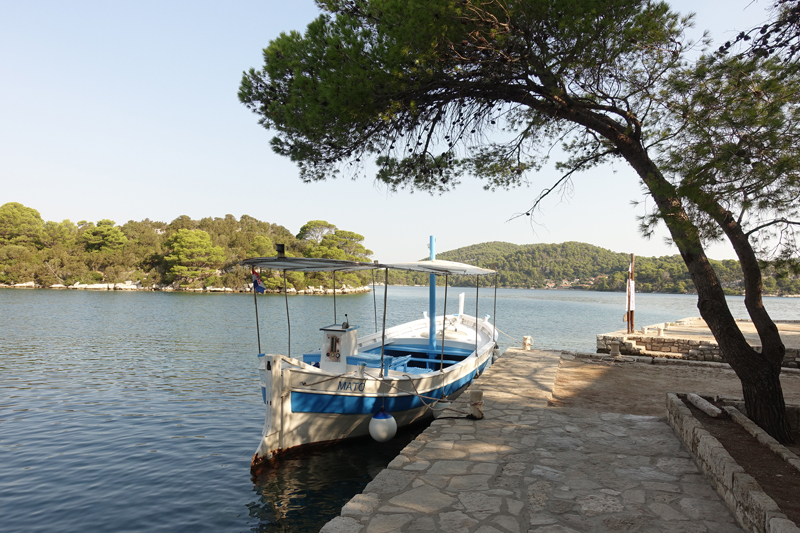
(269, 371)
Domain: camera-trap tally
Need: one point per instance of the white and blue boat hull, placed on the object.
(306, 405)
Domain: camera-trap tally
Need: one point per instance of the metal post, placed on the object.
(432, 299)
(477, 285)
(374, 300)
(334, 298)
(494, 311)
(258, 330)
(288, 321)
(444, 321)
(383, 336)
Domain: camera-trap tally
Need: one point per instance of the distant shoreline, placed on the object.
(309, 291)
(138, 287)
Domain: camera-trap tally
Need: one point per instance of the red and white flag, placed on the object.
(258, 285)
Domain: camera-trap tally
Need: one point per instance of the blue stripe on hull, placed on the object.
(309, 402)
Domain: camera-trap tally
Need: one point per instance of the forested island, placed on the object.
(205, 253)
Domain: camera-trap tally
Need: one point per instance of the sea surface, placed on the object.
(141, 411)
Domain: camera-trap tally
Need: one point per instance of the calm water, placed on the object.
(141, 411)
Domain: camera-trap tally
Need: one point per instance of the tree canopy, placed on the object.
(191, 254)
(19, 224)
(735, 149)
(421, 84)
(315, 231)
(104, 236)
(185, 252)
(779, 36)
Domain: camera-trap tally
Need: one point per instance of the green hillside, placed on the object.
(204, 253)
(184, 253)
(579, 265)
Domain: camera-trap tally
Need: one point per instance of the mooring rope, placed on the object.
(437, 408)
(506, 334)
(422, 398)
(401, 390)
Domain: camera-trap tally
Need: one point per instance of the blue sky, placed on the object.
(128, 110)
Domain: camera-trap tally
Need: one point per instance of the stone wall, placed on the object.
(654, 344)
(753, 508)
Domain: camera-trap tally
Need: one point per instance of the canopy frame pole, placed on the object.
(383, 335)
(288, 320)
(494, 311)
(432, 298)
(444, 322)
(334, 298)
(255, 302)
(477, 286)
(374, 300)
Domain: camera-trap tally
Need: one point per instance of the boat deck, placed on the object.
(413, 358)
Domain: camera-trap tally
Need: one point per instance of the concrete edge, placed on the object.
(763, 437)
(649, 360)
(755, 511)
(676, 347)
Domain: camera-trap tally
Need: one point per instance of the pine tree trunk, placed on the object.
(759, 373)
(763, 399)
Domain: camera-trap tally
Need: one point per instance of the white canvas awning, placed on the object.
(310, 264)
(307, 264)
(438, 266)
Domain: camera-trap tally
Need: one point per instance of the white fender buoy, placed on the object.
(383, 426)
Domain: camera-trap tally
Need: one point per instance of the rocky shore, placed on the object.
(137, 286)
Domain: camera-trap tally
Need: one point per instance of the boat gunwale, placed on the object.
(424, 381)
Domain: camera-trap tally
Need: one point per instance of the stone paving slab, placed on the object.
(529, 468)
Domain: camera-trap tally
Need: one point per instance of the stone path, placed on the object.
(529, 468)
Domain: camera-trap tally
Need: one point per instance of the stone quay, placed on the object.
(690, 339)
(527, 467)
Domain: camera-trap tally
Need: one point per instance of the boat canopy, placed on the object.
(307, 264)
(437, 266)
(311, 264)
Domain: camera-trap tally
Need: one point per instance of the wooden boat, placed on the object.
(333, 392)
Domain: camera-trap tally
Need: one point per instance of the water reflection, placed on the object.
(299, 491)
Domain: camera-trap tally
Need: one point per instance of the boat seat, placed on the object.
(399, 363)
(373, 361)
(432, 360)
(402, 364)
(423, 349)
(416, 370)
